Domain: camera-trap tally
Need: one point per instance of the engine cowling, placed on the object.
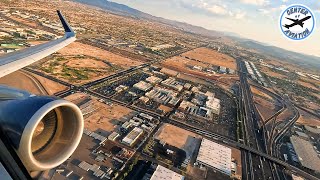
(44, 131)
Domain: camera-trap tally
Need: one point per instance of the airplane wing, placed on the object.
(19, 59)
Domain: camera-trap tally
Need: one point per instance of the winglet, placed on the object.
(66, 26)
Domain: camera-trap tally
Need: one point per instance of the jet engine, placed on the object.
(44, 131)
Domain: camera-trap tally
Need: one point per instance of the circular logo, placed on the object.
(297, 22)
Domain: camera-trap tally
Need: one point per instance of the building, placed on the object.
(222, 70)
(132, 137)
(161, 95)
(144, 99)
(126, 125)
(143, 86)
(121, 88)
(215, 156)
(153, 80)
(174, 101)
(307, 155)
(187, 86)
(188, 107)
(162, 173)
(173, 84)
(113, 136)
(231, 71)
(214, 105)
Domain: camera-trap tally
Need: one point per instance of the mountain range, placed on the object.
(304, 60)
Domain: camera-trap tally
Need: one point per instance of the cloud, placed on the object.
(255, 2)
(215, 9)
(240, 15)
(273, 10)
(212, 8)
(285, 1)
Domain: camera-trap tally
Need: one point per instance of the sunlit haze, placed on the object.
(252, 19)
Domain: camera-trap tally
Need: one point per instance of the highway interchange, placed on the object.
(257, 161)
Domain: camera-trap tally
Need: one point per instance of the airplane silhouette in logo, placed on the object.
(296, 22)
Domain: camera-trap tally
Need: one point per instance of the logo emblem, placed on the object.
(297, 22)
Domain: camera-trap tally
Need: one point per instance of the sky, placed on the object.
(253, 19)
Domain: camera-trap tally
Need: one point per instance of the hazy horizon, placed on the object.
(239, 17)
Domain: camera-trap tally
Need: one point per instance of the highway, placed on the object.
(255, 149)
(255, 131)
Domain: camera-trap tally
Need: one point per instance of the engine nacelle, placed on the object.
(44, 131)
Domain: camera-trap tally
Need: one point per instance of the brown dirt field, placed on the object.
(103, 117)
(260, 93)
(236, 155)
(74, 97)
(88, 63)
(285, 115)
(50, 86)
(212, 57)
(23, 21)
(308, 119)
(265, 108)
(77, 48)
(174, 136)
(181, 62)
(20, 81)
(180, 66)
(227, 82)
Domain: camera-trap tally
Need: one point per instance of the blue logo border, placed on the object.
(313, 19)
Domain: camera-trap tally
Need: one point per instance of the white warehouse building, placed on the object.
(214, 155)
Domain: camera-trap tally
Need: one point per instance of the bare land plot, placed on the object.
(308, 119)
(236, 156)
(23, 21)
(174, 135)
(180, 64)
(106, 117)
(180, 138)
(256, 91)
(80, 63)
(85, 63)
(21, 81)
(50, 86)
(266, 108)
(211, 56)
(77, 48)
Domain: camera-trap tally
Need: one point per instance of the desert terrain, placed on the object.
(31, 83)
(104, 117)
(212, 57)
(174, 136)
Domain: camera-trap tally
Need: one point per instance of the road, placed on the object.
(254, 130)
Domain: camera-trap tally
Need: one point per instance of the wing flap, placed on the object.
(17, 60)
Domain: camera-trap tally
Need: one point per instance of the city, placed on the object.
(159, 102)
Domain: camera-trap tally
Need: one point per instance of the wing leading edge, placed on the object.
(19, 59)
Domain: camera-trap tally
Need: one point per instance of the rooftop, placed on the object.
(306, 153)
(215, 155)
(163, 173)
